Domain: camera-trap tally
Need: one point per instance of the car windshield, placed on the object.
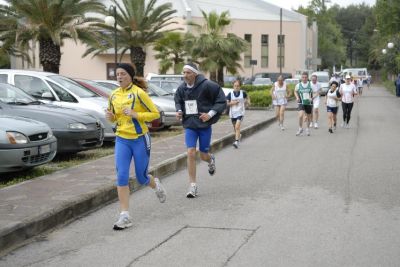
(156, 90)
(13, 95)
(73, 86)
(262, 81)
(109, 85)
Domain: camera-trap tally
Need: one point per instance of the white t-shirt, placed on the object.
(331, 99)
(348, 91)
(316, 87)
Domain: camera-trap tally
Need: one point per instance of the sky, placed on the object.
(294, 4)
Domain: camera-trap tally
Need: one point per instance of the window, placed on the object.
(264, 51)
(247, 54)
(3, 78)
(281, 50)
(62, 93)
(34, 86)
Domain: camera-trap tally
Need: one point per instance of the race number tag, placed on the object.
(306, 96)
(191, 107)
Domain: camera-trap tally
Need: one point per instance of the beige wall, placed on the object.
(297, 39)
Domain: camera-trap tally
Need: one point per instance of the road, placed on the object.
(278, 200)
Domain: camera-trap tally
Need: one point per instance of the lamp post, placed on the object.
(112, 21)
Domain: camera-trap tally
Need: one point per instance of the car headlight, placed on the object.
(17, 138)
(77, 126)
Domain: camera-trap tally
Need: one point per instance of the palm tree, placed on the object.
(138, 26)
(214, 49)
(48, 22)
(171, 52)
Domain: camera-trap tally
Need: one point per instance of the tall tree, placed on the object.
(140, 23)
(171, 52)
(214, 48)
(387, 16)
(48, 22)
(331, 48)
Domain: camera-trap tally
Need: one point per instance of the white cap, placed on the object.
(348, 76)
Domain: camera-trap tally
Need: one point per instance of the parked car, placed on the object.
(75, 131)
(60, 91)
(105, 91)
(169, 86)
(262, 81)
(323, 79)
(161, 98)
(111, 84)
(24, 143)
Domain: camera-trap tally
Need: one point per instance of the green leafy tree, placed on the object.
(140, 23)
(331, 48)
(213, 48)
(47, 22)
(387, 16)
(171, 52)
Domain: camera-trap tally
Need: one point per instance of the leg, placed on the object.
(123, 158)
(191, 136)
(282, 114)
(349, 108)
(316, 114)
(301, 118)
(344, 109)
(237, 129)
(204, 147)
(277, 108)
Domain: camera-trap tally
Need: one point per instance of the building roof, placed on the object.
(238, 9)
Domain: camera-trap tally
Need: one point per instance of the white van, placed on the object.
(357, 73)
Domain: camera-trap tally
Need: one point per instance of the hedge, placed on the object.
(260, 98)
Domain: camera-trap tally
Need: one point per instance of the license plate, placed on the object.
(44, 149)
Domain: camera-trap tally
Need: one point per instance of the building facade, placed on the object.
(256, 21)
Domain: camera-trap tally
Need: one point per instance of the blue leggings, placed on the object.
(139, 150)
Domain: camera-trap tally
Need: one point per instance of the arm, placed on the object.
(152, 112)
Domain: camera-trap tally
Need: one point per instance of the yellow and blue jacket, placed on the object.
(138, 100)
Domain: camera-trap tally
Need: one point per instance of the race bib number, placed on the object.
(191, 107)
(306, 96)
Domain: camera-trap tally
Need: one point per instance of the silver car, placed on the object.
(24, 143)
(60, 91)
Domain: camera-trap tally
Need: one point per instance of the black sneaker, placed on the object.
(330, 130)
(211, 165)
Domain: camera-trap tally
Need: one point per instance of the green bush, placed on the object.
(252, 88)
(260, 98)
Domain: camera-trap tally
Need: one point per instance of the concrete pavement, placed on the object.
(36, 206)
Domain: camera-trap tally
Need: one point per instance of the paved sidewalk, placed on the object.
(33, 207)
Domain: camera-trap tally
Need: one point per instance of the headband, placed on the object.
(192, 69)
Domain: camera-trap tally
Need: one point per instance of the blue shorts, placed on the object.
(136, 149)
(202, 134)
(332, 109)
(234, 120)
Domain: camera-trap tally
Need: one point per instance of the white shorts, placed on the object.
(316, 102)
(279, 102)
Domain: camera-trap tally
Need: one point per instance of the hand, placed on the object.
(129, 112)
(204, 117)
(178, 115)
(109, 114)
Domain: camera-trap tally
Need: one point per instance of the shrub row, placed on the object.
(260, 98)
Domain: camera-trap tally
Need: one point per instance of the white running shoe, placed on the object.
(282, 127)
(211, 165)
(316, 125)
(308, 131)
(236, 144)
(311, 124)
(347, 126)
(160, 191)
(343, 125)
(299, 132)
(192, 191)
(123, 222)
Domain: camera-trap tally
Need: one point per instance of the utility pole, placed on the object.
(280, 45)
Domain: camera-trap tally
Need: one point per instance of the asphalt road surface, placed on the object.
(278, 200)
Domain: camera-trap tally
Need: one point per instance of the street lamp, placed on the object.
(112, 21)
(390, 45)
(384, 51)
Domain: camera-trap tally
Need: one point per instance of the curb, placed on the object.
(24, 232)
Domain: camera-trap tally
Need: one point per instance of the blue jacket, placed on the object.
(208, 95)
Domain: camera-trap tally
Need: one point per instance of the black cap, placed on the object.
(128, 68)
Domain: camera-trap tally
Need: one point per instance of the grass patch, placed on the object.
(389, 85)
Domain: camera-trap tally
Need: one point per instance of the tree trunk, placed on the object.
(220, 76)
(213, 76)
(49, 55)
(138, 58)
